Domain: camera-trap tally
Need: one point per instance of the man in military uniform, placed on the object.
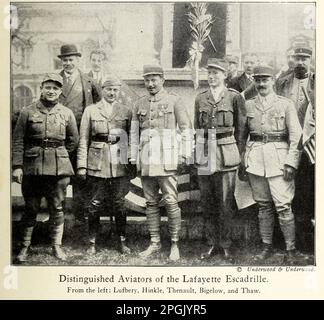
(103, 157)
(299, 86)
(154, 143)
(271, 159)
(219, 123)
(78, 91)
(45, 135)
(244, 82)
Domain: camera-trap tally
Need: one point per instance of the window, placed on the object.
(182, 38)
(22, 97)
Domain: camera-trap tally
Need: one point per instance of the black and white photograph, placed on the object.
(162, 134)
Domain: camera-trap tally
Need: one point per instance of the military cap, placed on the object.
(69, 50)
(220, 64)
(152, 69)
(263, 71)
(303, 51)
(53, 77)
(111, 81)
(232, 59)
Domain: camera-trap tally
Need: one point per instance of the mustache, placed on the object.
(300, 71)
(261, 87)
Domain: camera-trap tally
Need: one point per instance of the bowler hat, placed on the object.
(263, 71)
(220, 64)
(152, 69)
(111, 81)
(303, 51)
(69, 50)
(53, 77)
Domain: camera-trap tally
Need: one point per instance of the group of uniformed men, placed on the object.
(79, 132)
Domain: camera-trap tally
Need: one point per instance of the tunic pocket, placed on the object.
(99, 126)
(282, 152)
(95, 156)
(33, 161)
(64, 166)
(279, 121)
(36, 124)
(230, 154)
(121, 122)
(224, 117)
(170, 158)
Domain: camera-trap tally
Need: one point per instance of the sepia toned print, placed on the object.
(163, 134)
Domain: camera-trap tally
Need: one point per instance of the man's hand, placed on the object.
(289, 172)
(82, 174)
(242, 174)
(17, 175)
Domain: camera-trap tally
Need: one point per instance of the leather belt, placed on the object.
(218, 135)
(270, 137)
(46, 143)
(110, 139)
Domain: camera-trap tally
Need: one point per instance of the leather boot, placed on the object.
(58, 252)
(265, 253)
(23, 254)
(290, 257)
(92, 249)
(228, 256)
(174, 252)
(122, 247)
(208, 254)
(153, 248)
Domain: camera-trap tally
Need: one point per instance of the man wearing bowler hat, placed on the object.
(299, 86)
(78, 91)
(219, 124)
(45, 135)
(103, 159)
(154, 144)
(271, 160)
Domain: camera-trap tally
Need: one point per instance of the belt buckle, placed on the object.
(264, 138)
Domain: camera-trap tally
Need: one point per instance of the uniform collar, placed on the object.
(210, 96)
(43, 109)
(108, 110)
(268, 101)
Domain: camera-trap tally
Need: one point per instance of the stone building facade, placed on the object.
(133, 34)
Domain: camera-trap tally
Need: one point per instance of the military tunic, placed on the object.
(274, 118)
(42, 141)
(160, 133)
(219, 125)
(103, 152)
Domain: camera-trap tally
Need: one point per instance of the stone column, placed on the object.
(167, 41)
(134, 37)
(233, 29)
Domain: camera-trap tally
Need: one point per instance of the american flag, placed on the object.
(308, 137)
